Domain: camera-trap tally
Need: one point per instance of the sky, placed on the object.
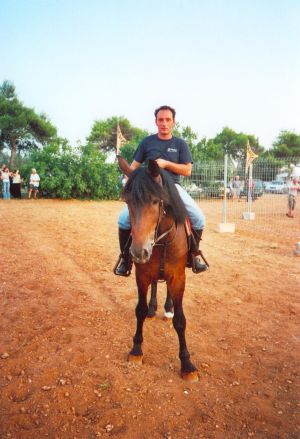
(221, 63)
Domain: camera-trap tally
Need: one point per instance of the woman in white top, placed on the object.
(34, 183)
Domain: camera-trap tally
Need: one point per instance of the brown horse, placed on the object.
(159, 249)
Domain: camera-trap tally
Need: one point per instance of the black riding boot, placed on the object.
(124, 264)
(194, 261)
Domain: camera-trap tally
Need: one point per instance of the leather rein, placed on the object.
(161, 214)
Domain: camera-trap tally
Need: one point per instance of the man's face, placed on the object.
(165, 123)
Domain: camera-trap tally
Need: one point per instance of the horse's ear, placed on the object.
(124, 166)
(153, 168)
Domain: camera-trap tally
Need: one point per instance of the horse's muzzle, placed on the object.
(141, 255)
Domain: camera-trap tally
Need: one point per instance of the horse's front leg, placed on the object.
(188, 370)
(141, 311)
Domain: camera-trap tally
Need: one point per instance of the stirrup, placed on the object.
(193, 262)
(129, 266)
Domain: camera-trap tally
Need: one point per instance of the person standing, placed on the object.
(5, 183)
(172, 154)
(236, 188)
(34, 183)
(2, 169)
(16, 184)
(293, 187)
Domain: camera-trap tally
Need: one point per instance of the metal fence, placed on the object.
(211, 184)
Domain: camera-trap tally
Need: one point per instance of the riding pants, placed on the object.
(195, 214)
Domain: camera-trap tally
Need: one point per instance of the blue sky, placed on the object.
(220, 63)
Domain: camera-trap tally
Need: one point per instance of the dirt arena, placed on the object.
(67, 325)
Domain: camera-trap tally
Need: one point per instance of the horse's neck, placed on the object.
(166, 222)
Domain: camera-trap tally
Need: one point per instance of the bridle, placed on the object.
(165, 244)
(161, 214)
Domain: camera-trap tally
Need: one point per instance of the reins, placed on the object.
(160, 237)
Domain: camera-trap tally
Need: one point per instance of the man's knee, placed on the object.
(124, 219)
(197, 220)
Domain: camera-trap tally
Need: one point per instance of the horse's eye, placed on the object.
(155, 202)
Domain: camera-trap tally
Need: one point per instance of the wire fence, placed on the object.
(258, 205)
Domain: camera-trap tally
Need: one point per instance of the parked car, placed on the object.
(257, 191)
(194, 190)
(215, 189)
(258, 188)
(277, 187)
(266, 185)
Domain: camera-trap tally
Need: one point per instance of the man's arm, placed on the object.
(184, 169)
(134, 165)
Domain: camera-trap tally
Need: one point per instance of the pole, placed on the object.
(224, 210)
(250, 186)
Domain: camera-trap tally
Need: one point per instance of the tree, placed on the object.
(190, 137)
(235, 144)
(104, 133)
(20, 127)
(287, 144)
(8, 90)
(208, 150)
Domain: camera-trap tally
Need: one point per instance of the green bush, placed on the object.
(74, 173)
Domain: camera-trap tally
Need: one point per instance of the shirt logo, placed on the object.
(171, 150)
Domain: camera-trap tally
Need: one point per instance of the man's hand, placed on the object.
(162, 163)
(184, 169)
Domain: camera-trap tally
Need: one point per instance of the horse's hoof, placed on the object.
(168, 315)
(151, 317)
(135, 359)
(191, 377)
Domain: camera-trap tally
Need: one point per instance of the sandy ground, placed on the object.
(67, 324)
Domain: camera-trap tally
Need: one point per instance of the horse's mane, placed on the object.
(141, 189)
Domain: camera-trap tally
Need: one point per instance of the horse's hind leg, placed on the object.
(169, 309)
(141, 311)
(152, 308)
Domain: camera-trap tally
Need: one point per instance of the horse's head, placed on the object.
(144, 194)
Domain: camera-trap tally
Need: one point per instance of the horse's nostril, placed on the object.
(141, 254)
(146, 254)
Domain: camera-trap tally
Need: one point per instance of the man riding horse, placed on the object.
(172, 154)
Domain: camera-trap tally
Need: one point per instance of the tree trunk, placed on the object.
(13, 153)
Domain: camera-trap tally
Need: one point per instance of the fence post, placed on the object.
(250, 188)
(224, 209)
(249, 215)
(225, 226)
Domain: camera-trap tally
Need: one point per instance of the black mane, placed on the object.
(141, 189)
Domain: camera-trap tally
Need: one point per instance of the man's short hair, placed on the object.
(165, 107)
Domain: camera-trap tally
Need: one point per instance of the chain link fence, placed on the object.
(265, 196)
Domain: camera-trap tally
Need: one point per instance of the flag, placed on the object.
(120, 139)
(250, 156)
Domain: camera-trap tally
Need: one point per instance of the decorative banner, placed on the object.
(250, 156)
(120, 139)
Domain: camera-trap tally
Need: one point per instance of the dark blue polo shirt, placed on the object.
(174, 150)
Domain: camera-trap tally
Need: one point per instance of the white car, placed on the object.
(193, 190)
(277, 187)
